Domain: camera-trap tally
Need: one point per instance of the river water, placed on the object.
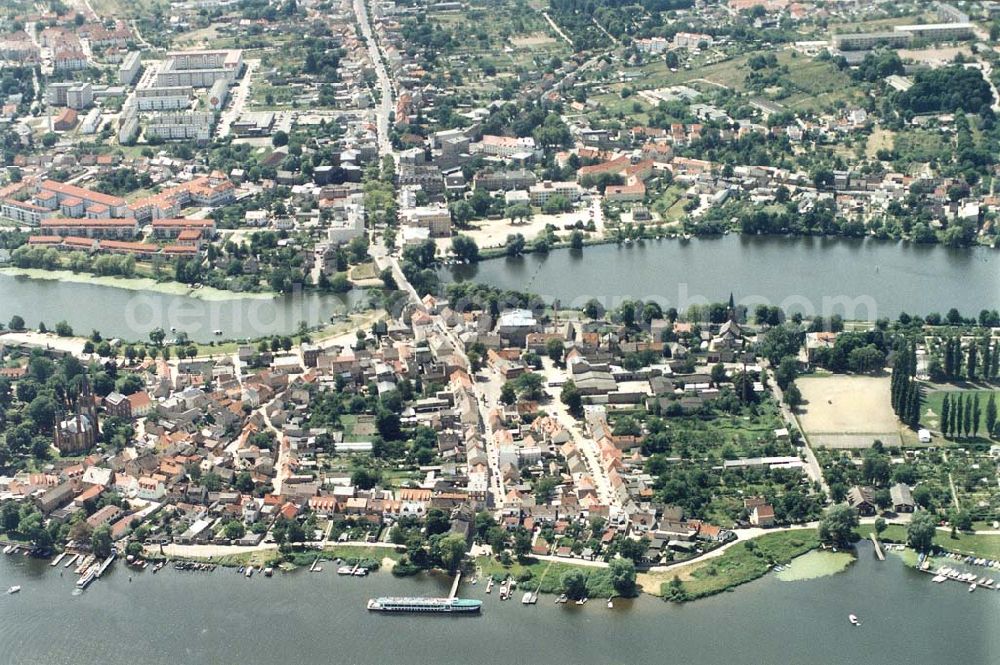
(858, 279)
(131, 314)
(303, 617)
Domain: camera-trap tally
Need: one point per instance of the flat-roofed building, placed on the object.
(436, 219)
(129, 68)
(199, 69)
(170, 98)
(545, 190)
(941, 32)
(865, 41)
(180, 126)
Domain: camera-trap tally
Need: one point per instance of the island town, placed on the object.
(586, 451)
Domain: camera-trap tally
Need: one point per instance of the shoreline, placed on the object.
(206, 293)
(499, 252)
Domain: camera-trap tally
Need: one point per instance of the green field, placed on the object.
(980, 545)
(741, 563)
(546, 576)
(932, 406)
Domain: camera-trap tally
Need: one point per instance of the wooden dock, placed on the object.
(454, 586)
(878, 547)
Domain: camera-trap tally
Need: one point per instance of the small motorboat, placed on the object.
(582, 601)
(14, 589)
(611, 603)
(854, 620)
(972, 587)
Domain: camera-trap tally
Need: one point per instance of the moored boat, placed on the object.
(424, 605)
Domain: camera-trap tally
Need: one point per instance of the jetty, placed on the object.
(454, 585)
(72, 560)
(55, 562)
(107, 562)
(878, 546)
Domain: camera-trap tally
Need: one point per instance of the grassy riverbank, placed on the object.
(133, 284)
(370, 557)
(741, 563)
(546, 576)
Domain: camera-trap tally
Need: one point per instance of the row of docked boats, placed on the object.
(194, 566)
(974, 561)
(974, 580)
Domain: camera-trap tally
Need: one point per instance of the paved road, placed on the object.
(238, 100)
(587, 446)
(386, 104)
(813, 468)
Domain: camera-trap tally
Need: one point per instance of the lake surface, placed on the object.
(302, 617)
(130, 314)
(858, 279)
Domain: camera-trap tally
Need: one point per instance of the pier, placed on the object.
(973, 580)
(454, 586)
(878, 547)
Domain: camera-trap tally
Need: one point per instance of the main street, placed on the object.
(485, 387)
(385, 106)
(585, 444)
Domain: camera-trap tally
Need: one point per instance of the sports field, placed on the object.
(847, 411)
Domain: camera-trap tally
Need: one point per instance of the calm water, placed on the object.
(306, 617)
(131, 314)
(859, 279)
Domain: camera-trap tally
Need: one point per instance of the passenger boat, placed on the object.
(425, 605)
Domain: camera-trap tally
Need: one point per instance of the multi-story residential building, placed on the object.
(91, 228)
(23, 212)
(180, 126)
(543, 191)
(172, 228)
(436, 219)
(72, 199)
(128, 71)
(505, 146)
(199, 69)
(164, 98)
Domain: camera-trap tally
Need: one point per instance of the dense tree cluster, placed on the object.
(947, 90)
